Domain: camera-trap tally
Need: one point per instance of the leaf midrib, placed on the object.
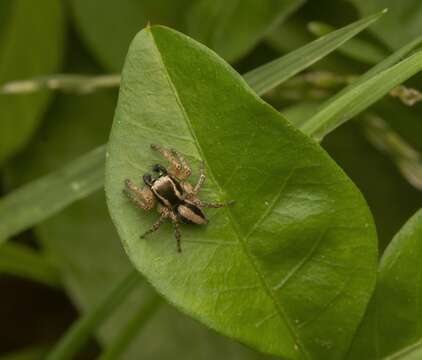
(241, 239)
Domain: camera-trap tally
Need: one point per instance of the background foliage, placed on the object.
(76, 257)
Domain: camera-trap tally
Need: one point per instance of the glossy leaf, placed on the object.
(300, 235)
(365, 165)
(73, 235)
(270, 75)
(391, 328)
(264, 78)
(31, 44)
(232, 27)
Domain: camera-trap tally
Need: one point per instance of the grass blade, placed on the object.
(21, 261)
(356, 49)
(42, 198)
(360, 95)
(116, 349)
(274, 73)
(80, 332)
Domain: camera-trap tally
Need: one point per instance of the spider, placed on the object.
(176, 198)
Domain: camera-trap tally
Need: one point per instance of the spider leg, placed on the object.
(179, 166)
(201, 179)
(185, 170)
(204, 204)
(143, 198)
(173, 217)
(155, 226)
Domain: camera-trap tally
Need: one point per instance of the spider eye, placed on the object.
(157, 168)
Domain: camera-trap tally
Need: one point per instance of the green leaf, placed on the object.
(73, 235)
(25, 201)
(356, 49)
(31, 44)
(360, 96)
(391, 327)
(80, 332)
(45, 196)
(108, 32)
(274, 73)
(365, 165)
(402, 23)
(294, 260)
(231, 27)
(19, 260)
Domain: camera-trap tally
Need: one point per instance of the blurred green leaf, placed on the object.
(47, 195)
(31, 44)
(403, 119)
(360, 96)
(108, 26)
(81, 331)
(31, 353)
(296, 215)
(19, 260)
(122, 341)
(391, 326)
(402, 23)
(270, 75)
(232, 27)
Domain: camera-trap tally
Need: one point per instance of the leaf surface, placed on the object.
(392, 326)
(289, 268)
(86, 249)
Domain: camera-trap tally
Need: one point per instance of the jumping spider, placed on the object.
(177, 199)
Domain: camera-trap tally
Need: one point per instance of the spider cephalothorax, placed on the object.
(176, 198)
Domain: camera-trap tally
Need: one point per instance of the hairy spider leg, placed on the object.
(203, 204)
(201, 179)
(154, 226)
(143, 198)
(179, 166)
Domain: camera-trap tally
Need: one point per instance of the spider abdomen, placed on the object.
(189, 213)
(168, 191)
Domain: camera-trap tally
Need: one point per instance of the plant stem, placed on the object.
(406, 158)
(80, 332)
(81, 84)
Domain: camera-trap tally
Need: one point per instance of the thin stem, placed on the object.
(80, 332)
(74, 83)
(386, 140)
(116, 349)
